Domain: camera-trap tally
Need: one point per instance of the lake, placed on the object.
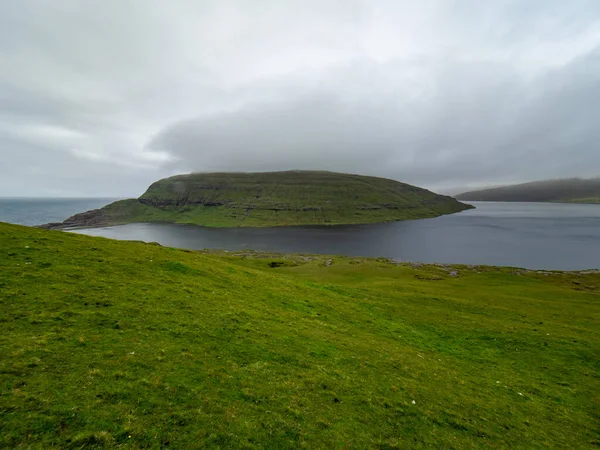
(531, 235)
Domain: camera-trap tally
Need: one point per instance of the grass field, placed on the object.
(273, 199)
(109, 343)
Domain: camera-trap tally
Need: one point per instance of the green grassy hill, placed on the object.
(272, 199)
(109, 343)
(574, 190)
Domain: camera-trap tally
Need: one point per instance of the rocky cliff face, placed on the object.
(89, 219)
(181, 201)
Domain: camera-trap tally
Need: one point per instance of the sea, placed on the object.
(37, 211)
(546, 236)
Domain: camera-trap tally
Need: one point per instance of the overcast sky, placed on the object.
(100, 98)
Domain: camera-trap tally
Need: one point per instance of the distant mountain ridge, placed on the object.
(271, 199)
(568, 190)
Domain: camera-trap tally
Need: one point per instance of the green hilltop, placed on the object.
(272, 199)
(571, 190)
(110, 344)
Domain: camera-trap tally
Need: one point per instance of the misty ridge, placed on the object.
(570, 190)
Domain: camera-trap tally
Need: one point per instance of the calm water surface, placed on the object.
(36, 211)
(532, 235)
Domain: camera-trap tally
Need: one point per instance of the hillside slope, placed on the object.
(272, 199)
(122, 344)
(572, 190)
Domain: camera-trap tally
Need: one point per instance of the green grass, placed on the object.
(588, 200)
(274, 199)
(107, 343)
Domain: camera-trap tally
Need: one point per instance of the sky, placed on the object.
(101, 98)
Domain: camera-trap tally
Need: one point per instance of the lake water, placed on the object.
(531, 235)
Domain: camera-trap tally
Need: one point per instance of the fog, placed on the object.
(102, 98)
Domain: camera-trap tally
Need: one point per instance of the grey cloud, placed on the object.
(475, 123)
(101, 98)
